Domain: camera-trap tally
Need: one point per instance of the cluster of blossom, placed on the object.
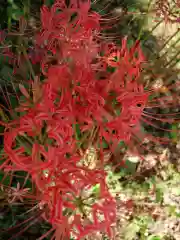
(87, 83)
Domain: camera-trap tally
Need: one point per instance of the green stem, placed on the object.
(26, 145)
(3, 116)
(28, 62)
(141, 30)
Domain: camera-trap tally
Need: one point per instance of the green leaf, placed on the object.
(172, 210)
(121, 144)
(130, 42)
(6, 73)
(77, 131)
(173, 133)
(4, 59)
(105, 144)
(16, 14)
(177, 214)
(176, 191)
(111, 69)
(13, 101)
(4, 179)
(21, 177)
(11, 1)
(130, 231)
(96, 189)
(154, 237)
(49, 2)
(1, 129)
(129, 168)
(159, 195)
(132, 9)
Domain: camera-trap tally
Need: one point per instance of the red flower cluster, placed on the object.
(70, 31)
(78, 91)
(42, 143)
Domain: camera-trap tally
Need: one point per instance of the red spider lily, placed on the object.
(60, 196)
(85, 227)
(59, 76)
(132, 106)
(77, 90)
(64, 178)
(20, 159)
(69, 37)
(15, 194)
(77, 221)
(123, 54)
(128, 65)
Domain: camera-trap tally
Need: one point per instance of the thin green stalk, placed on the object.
(25, 145)
(28, 62)
(141, 30)
(3, 115)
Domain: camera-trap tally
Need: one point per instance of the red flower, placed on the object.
(17, 194)
(70, 37)
(59, 77)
